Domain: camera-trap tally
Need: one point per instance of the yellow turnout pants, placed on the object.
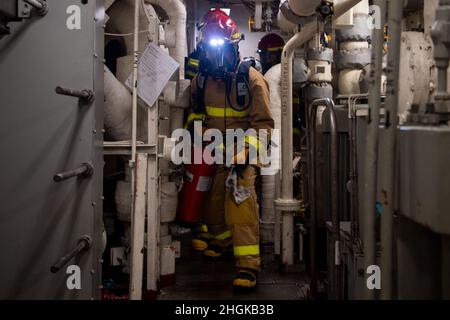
(229, 222)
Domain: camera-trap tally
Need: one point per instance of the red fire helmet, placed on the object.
(217, 28)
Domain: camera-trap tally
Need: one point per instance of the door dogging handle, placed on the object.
(84, 243)
(84, 170)
(85, 94)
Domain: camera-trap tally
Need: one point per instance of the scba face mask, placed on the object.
(221, 57)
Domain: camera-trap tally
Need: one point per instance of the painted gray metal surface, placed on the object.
(419, 262)
(424, 177)
(43, 133)
(353, 275)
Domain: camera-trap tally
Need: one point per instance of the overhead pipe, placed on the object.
(305, 34)
(284, 24)
(304, 8)
(388, 148)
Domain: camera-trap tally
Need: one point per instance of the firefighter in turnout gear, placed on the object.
(270, 48)
(230, 94)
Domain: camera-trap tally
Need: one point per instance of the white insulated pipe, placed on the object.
(117, 114)
(343, 6)
(287, 193)
(269, 176)
(122, 21)
(268, 179)
(361, 8)
(304, 8)
(176, 11)
(284, 24)
(305, 34)
(351, 79)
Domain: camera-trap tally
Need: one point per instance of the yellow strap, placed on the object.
(191, 73)
(274, 49)
(223, 235)
(296, 100)
(255, 143)
(193, 62)
(252, 250)
(236, 36)
(296, 131)
(192, 117)
(222, 112)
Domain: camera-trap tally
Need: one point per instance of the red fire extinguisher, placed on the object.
(197, 183)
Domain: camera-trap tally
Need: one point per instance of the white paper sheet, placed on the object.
(155, 68)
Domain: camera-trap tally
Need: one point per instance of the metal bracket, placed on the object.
(23, 9)
(16, 10)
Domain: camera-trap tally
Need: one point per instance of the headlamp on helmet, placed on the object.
(216, 42)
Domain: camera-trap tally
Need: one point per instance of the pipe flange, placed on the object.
(325, 54)
(288, 205)
(292, 17)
